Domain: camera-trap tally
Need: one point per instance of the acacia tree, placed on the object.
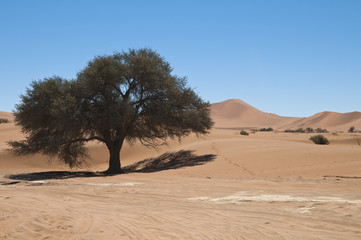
(127, 96)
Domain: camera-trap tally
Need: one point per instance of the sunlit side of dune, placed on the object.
(235, 113)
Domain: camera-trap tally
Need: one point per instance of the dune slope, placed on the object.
(329, 120)
(237, 114)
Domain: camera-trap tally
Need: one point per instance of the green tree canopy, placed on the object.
(127, 96)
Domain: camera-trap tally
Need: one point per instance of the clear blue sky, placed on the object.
(291, 57)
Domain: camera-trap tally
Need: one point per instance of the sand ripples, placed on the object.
(158, 209)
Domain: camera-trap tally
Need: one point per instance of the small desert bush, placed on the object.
(319, 139)
(352, 129)
(300, 130)
(320, 130)
(4, 120)
(309, 130)
(244, 133)
(266, 129)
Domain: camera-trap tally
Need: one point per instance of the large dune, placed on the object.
(330, 120)
(221, 186)
(236, 113)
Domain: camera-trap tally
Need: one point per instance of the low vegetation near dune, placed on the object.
(307, 130)
(319, 139)
(127, 96)
(353, 130)
(244, 133)
(265, 129)
(299, 130)
(320, 130)
(4, 120)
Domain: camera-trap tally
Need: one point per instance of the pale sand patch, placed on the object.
(40, 182)
(128, 184)
(305, 209)
(244, 196)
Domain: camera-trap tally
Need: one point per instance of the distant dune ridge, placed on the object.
(235, 113)
(329, 120)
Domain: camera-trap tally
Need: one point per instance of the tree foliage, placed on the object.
(128, 96)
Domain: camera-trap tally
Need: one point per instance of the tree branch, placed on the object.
(87, 139)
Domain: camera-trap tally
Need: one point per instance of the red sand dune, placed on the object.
(330, 120)
(236, 113)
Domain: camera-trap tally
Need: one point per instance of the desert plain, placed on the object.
(267, 185)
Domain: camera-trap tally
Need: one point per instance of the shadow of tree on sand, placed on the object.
(166, 161)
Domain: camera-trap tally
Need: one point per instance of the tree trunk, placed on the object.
(114, 157)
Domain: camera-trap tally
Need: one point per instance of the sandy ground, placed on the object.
(222, 186)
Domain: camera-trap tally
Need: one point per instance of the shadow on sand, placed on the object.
(166, 161)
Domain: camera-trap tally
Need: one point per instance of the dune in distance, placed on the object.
(235, 113)
(268, 185)
(7, 115)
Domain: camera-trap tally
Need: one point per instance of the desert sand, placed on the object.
(270, 185)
